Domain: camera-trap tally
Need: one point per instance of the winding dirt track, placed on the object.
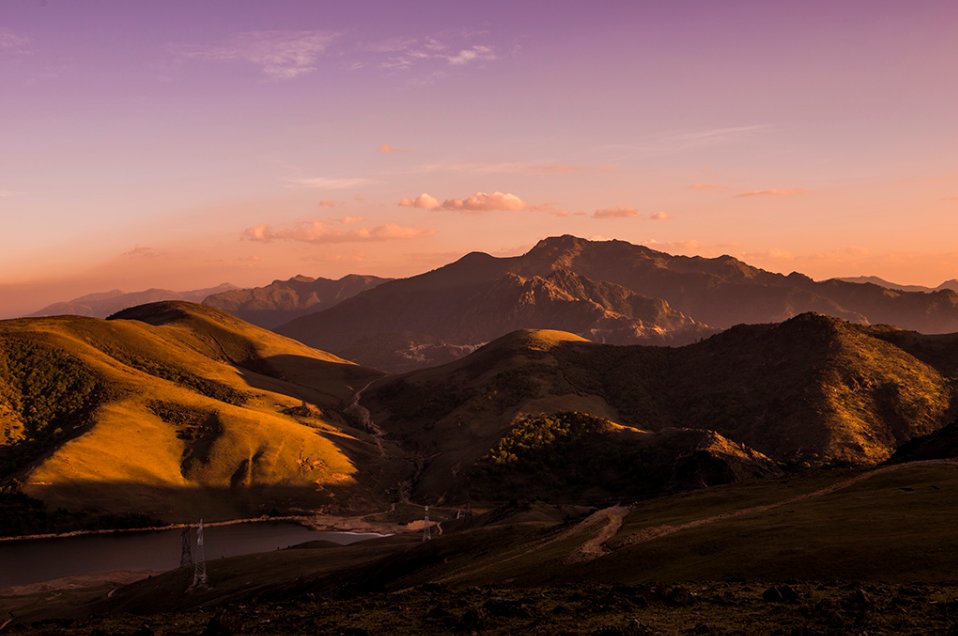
(367, 419)
(606, 523)
(594, 548)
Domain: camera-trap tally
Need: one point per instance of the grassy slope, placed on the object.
(200, 360)
(813, 389)
(905, 515)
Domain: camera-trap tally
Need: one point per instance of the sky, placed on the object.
(183, 144)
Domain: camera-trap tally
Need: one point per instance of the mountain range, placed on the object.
(607, 291)
(171, 408)
(102, 304)
(951, 284)
(284, 300)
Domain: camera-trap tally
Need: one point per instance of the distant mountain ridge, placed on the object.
(611, 291)
(285, 300)
(951, 284)
(103, 304)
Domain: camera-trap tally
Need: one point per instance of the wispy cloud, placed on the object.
(323, 231)
(142, 251)
(6, 194)
(773, 192)
(402, 54)
(513, 167)
(617, 213)
(278, 54)
(327, 203)
(329, 183)
(388, 149)
(476, 53)
(720, 133)
(659, 216)
(11, 42)
(708, 187)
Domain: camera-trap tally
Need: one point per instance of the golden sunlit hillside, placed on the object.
(171, 408)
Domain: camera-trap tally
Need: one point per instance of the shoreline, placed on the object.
(319, 523)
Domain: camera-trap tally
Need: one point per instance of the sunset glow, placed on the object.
(184, 144)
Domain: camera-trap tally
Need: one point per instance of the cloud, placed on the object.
(481, 202)
(424, 201)
(278, 54)
(487, 202)
(319, 231)
(142, 251)
(351, 220)
(720, 133)
(773, 192)
(13, 43)
(4, 194)
(387, 149)
(707, 187)
(659, 216)
(327, 203)
(616, 213)
(513, 167)
(327, 183)
(473, 54)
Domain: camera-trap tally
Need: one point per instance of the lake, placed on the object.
(36, 560)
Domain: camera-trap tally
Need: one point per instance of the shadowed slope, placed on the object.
(811, 390)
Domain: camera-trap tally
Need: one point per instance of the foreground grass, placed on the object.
(699, 608)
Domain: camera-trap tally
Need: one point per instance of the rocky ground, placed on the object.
(705, 608)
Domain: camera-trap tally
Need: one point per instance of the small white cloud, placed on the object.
(424, 201)
(487, 202)
(475, 53)
(327, 183)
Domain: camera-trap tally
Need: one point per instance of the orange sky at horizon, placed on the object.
(261, 142)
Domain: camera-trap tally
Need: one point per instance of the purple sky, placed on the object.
(184, 144)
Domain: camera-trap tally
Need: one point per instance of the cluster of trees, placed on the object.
(53, 394)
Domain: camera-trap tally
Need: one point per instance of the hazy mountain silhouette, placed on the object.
(875, 280)
(102, 304)
(610, 291)
(284, 300)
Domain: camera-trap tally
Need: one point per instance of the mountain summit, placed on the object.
(607, 291)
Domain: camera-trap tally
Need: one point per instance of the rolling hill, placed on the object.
(172, 408)
(101, 305)
(607, 291)
(812, 391)
(283, 300)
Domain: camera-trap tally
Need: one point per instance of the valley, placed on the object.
(686, 481)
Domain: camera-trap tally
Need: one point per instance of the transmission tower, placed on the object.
(186, 555)
(426, 534)
(199, 567)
